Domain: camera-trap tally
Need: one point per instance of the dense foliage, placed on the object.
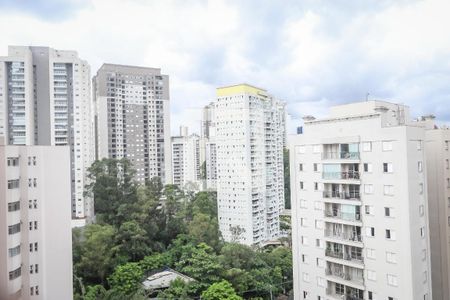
(144, 229)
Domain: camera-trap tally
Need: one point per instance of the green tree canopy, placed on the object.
(220, 291)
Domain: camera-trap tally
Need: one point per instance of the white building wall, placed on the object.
(247, 141)
(43, 212)
(340, 193)
(186, 162)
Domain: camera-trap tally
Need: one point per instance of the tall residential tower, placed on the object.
(250, 130)
(45, 99)
(132, 118)
(359, 200)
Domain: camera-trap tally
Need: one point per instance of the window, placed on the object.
(388, 212)
(422, 231)
(300, 167)
(318, 243)
(36, 268)
(316, 186)
(31, 247)
(370, 231)
(303, 204)
(387, 168)
(368, 189)
(447, 164)
(304, 258)
(392, 280)
(446, 145)
(36, 246)
(420, 188)
(35, 203)
(318, 205)
(389, 190)
(424, 254)
(368, 167)
(14, 206)
(12, 161)
(30, 225)
(386, 146)
(319, 224)
(303, 222)
(301, 149)
(31, 269)
(421, 210)
(14, 274)
(419, 167)
(305, 277)
(315, 167)
(371, 275)
(370, 295)
(13, 184)
(320, 262)
(370, 253)
(316, 148)
(391, 257)
(304, 240)
(367, 146)
(32, 291)
(321, 282)
(301, 185)
(368, 209)
(14, 251)
(390, 234)
(12, 229)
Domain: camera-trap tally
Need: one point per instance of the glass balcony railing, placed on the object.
(345, 236)
(341, 175)
(340, 155)
(342, 195)
(347, 216)
(343, 275)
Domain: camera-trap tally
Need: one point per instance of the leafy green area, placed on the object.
(140, 230)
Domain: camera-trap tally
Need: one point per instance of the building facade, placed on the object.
(359, 200)
(249, 153)
(186, 164)
(132, 118)
(437, 145)
(45, 99)
(35, 223)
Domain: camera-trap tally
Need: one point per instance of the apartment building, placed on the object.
(186, 164)
(437, 143)
(359, 200)
(45, 100)
(209, 144)
(249, 152)
(35, 223)
(132, 118)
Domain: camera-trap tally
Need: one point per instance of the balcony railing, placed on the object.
(341, 195)
(344, 275)
(352, 237)
(343, 215)
(341, 296)
(341, 175)
(340, 155)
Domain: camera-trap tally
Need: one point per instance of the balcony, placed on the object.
(340, 155)
(342, 195)
(336, 214)
(344, 275)
(352, 175)
(344, 236)
(341, 296)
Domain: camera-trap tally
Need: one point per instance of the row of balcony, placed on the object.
(346, 236)
(346, 216)
(341, 155)
(345, 256)
(352, 195)
(341, 175)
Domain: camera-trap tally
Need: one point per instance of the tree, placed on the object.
(204, 228)
(132, 241)
(126, 279)
(178, 289)
(114, 190)
(220, 291)
(201, 263)
(97, 254)
(236, 233)
(153, 262)
(95, 292)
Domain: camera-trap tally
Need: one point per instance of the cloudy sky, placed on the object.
(310, 53)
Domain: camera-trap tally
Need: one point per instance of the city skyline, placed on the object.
(312, 54)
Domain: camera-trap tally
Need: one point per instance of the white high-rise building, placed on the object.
(359, 200)
(250, 129)
(35, 223)
(209, 144)
(186, 160)
(437, 144)
(132, 119)
(45, 99)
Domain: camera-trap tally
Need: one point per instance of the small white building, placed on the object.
(35, 223)
(359, 205)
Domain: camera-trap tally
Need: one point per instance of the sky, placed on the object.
(310, 53)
